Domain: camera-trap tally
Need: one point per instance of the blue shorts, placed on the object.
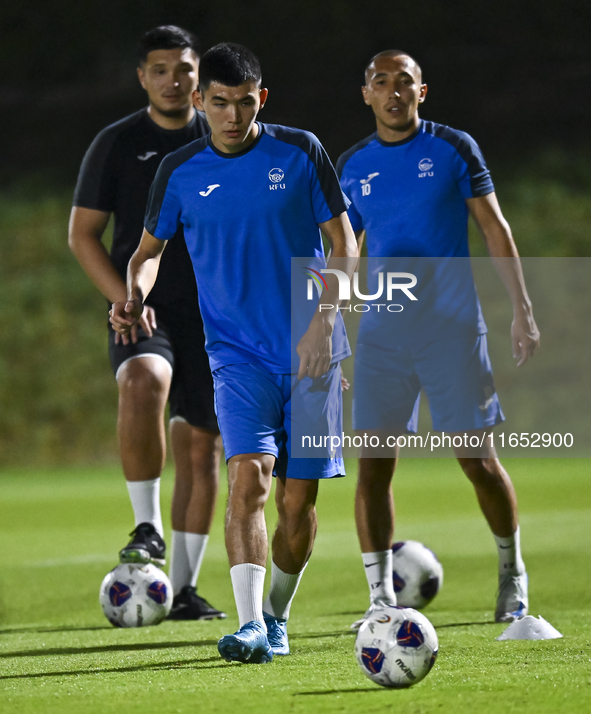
(259, 413)
(455, 374)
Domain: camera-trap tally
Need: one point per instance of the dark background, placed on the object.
(517, 75)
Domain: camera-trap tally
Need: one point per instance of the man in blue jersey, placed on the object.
(412, 185)
(251, 197)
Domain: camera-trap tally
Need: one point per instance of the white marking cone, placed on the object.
(530, 628)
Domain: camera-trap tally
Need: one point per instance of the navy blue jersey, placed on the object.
(245, 216)
(410, 198)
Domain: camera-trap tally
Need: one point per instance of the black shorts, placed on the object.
(178, 339)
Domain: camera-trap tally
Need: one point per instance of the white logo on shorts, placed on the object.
(487, 403)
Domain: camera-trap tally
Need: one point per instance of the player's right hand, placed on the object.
(124, 316)
(315, 349)
(147, 322)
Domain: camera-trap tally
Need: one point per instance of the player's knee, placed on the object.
(298, 502)
(205, 445)
(375, 474)
(142, 383)
(481, 470)
(249, 485)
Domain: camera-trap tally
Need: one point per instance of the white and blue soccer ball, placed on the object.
(135, 595)
(417, 574)
(396, 647)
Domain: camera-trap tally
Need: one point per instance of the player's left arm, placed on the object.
(486, 212)
(315, 347)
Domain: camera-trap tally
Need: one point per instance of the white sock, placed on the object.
(195, 544)
(186, 556)
(378, 571)
(282, 592)
(510, 560)
(145, 501)
(178, 573)
(248, 582)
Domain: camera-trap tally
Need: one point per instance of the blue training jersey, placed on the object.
(409, 197)
(245, 216)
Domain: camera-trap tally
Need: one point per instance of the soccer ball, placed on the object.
(417, 574)
(396, 647)
(135, 595)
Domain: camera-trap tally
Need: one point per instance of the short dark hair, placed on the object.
(392, 53)
(165, 37)
(229, 64)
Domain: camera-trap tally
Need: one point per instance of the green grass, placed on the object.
(61, 529)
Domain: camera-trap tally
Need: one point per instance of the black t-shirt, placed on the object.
(116, 175)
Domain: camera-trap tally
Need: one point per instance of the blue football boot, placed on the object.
(277, 634)
(249, 645)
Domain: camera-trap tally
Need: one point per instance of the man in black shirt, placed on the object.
(164, 357)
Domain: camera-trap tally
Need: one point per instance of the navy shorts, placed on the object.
(179, 340)
(259, 413)
(455, 374)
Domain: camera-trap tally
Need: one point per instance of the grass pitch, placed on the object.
(61, 531)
